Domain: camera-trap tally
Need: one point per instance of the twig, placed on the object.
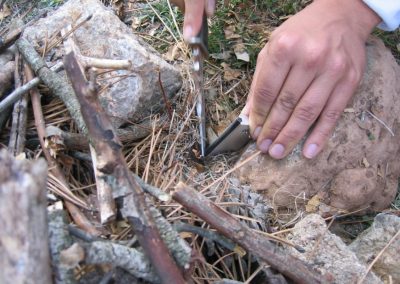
(19, 117)
(211, 235)
(381, 122)
(21, 90)
(377, 257)
(245, 237)
(111, 163)
(57, 84)
(166, 101)
(76, 215)
(152, 190)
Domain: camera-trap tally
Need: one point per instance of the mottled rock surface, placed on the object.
(369, 244)
(327, 252)
(105, 36)
(360, 165)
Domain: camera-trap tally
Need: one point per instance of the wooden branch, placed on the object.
(58, 85)
(20, 91)
(59, 240)
(6, 77)
(24, 253)
(111, 162)
(107, 207)
(76, 214)
(129, 259)
(244, 236)
(16, 143)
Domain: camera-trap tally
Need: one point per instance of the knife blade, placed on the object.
(233, 138)
(199, 45)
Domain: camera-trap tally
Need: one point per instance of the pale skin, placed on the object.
(305, 74)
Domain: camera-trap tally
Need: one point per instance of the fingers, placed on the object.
(295, 86)
(268, 79)
(304, 115)
(194, 10)
(330, 115)
(210, 7)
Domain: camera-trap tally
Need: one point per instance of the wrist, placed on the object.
(355, 12)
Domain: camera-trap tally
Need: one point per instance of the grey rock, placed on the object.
(370, 243)
(327, 252)
(359, 167)
(105, 36)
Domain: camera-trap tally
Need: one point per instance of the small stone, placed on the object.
(327, 252)
(371, 242)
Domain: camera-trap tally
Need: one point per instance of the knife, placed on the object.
(234, 137)
(199, 45)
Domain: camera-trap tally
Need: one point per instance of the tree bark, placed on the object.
(24, 248)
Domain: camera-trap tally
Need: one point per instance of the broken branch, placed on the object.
(112, 163)
(244, 236)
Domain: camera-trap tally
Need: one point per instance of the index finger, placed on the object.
(268, 80)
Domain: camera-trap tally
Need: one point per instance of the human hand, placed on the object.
(194, 10)
(307, 73)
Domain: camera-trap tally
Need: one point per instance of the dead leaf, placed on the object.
(171, 54)
(136, 22)
(313, 204)
(230, 32)
(221, 56)
(229, 73)
(5, 12)
(240, 52)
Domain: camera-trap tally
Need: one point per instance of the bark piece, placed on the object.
(59, 241)
(24, 253)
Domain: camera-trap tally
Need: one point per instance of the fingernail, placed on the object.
(187, 32)
(277, 151)
(264, 146)
(210, 8)
(311, 151)
(256, 132)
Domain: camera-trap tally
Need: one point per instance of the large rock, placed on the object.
(360, 165)
(372, 241)
(327, 252)
(105, 36)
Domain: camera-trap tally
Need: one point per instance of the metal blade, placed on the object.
(234, 137)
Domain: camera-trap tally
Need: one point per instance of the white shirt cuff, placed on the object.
(388, 10)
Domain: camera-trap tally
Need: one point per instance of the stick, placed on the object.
(244, 236)
(59, 240)
(18, 92)
(111, 162)
(57, 84)
(76, 215)
(19, 117)
(24, 253)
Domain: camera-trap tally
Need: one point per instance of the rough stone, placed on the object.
(105, 36)
(327, 252)
(370, 243)
(359, 167)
